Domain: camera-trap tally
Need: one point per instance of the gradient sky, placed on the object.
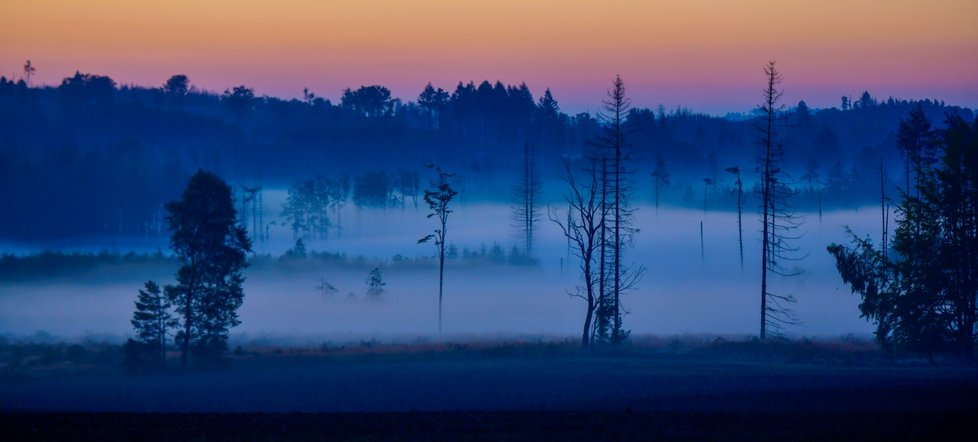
(702, 54)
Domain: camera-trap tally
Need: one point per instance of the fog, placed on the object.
(681, 291)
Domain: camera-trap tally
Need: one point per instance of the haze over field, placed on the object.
(680, 293)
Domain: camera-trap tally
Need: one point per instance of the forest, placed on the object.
(93, 158)
(555, 264)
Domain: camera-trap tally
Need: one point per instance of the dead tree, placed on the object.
(778, 221)
(660, 177)
(617, 230)
(740, 211)
(582, 229)
(526, 197)
(251, 197)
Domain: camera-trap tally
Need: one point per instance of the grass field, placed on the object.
(675, 388)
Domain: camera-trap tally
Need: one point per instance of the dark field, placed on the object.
(678, 390)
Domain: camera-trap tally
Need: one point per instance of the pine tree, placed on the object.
(212, 250)
(375, 284)
(152, 320)
(923, 296)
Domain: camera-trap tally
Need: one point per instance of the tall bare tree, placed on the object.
(437, 200)
(526, 200)
(613, 153)
(777, 219)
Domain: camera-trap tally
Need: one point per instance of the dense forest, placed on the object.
(90, 157)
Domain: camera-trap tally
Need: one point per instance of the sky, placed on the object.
(706, 55)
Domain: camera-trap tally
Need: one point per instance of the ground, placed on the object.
(720, 389)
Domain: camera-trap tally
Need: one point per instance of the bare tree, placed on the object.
(29, 71)
(526, 196)
(613, 153)
(777, 219)
(437, 200)
(740, 211)
(660, 176)
(581, 228)
(707, 183)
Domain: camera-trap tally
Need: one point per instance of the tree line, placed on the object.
(91, 129)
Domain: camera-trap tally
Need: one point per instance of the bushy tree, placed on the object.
(212, 249)
(368, 101)
(922, 297)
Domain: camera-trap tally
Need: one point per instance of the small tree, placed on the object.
(29, 71)
(437, 200)
(660, 176)
(375, 284)
(740, 211)
(176, 89)
(151, 321)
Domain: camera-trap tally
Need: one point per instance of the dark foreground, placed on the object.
(531, 425)
(745, 391)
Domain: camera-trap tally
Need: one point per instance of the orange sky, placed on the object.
(704, 54)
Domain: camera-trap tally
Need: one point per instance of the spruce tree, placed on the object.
(152, 320)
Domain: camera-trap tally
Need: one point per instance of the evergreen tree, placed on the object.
(375, 284)
(151, 321)
(212, 249)
(923, 296)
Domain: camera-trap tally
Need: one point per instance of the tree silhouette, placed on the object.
(777, 220)
(29, 71)
(581, 229)
(526, 197)
(212, 250)
(240, 100)
(660, 176)
(437, 200)
(368, 101)
(612, 150)
(151, 321)
(375, 284)
(176, 88)
(740, 211)
(922, 298)
(434, 101)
